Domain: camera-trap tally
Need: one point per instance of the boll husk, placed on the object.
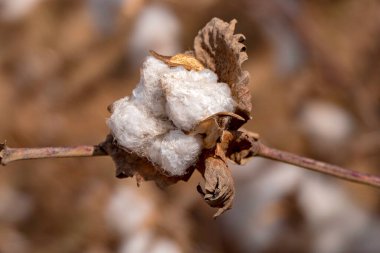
(166, 103)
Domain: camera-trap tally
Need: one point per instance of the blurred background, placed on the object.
(315, 81)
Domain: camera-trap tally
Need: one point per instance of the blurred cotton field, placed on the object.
(316, 91)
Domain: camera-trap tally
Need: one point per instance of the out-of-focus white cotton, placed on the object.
(156, 28)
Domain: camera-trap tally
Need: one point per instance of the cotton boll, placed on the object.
(156, 28)
(326, 125)
(146, 241)
(133, 127)
(135, 208)
(143, 123)
(104, 14)
(12, 10)
(259, 193)
(149, 91)
(175, 152)
(139, 242)
(14, 206)
(334, 218)
(192, 96)
(165, 245)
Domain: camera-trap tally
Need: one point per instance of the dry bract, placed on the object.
(222, 51)
(188, 61)
(2, 150)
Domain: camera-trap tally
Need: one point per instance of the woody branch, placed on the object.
(256, 148)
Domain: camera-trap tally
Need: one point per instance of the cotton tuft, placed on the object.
(149, 91)
(175, 151)
(193, 96)
(134, 127)
(166, 102)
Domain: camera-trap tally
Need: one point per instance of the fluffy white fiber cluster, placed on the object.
(165, 102)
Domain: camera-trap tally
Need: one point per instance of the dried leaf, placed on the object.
(210, 128)
(187, 61)
(222, 51)
(213, 127)
(225, 139)
(3, 147)
(219, 190)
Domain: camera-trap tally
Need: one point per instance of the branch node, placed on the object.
(3, 150)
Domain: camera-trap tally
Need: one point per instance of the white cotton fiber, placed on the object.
(193, 96)
(149, 91)
(133, 127)
(175, 151)
(156, 27)
(166, 102)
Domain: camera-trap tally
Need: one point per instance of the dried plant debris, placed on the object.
(240, 147)
(180, 115)
(213, 126)
(219, 190)
(2, 151)
(222, 51)
(188, 61)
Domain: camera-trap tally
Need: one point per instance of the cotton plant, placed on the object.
(186, 114)
(177, 117)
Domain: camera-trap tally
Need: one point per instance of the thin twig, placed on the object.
(8, 154)
(325, 168)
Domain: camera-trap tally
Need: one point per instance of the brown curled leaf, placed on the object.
(188, 61)
(129, 164)
(222, 51)
(219, 190)
(212, 127)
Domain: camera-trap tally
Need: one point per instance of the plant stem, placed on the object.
(8, 154)
(307, 163)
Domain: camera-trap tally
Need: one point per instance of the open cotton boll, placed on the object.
(175, 152)
(156, 27)
(133, 127)
(193, 96)
(149, 91)
(143, 123)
